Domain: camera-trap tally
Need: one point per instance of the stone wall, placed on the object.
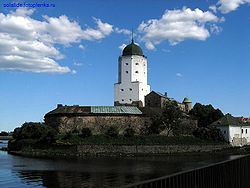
(83, 150)
(97, 124)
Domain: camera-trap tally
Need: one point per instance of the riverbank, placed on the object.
(82, 151)
(5, 137)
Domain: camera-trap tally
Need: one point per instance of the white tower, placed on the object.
(132, 84)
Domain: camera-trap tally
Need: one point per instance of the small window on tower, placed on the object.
(122, 99)
(127, 72)
(126, 63)
(122, 89)
(130, 89)
(137, 63)
(130, 99)
(136, 72)
(142, 89)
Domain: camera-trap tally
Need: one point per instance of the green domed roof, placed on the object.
(186, 100)
(132, 49)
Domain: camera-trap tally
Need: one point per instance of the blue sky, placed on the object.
(68, 54)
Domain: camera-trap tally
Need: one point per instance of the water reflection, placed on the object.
(92, 172)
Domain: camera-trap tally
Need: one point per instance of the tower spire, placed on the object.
(132, 36)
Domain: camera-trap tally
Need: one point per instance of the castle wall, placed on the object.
(97, 124)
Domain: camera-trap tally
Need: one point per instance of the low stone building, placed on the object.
(157, 100)
(96, 118)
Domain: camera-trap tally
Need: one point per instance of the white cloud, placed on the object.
(215, 29)
(122, 46)
(81, 47)
(28, 44)
(226, 6)
(176, 26)
(213, 8)
(77, 64)
(179, 75)
(123, 31)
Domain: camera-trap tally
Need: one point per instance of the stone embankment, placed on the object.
(78, 151)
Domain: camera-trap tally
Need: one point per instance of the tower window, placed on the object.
(130, 89)
(130, 99)
(127, 72)
(136, 72)
(142, 89)
(137, 63)
(122, 99)
(126, 63)
(122, 89)
(246, 131)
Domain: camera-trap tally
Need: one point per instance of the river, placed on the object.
(16, 171)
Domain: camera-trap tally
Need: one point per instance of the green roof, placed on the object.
(115, 109)
(88, 110)
(186, 100)
(132, 49)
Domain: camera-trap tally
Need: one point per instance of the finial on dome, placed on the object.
(132, 36)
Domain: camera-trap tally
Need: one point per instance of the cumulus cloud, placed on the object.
(176, 26)
(226, 6)
(28, 44)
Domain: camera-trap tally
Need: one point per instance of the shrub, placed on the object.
(213, 134)
(67, 136)
(112, 132)
(85, 132)
(129, 132)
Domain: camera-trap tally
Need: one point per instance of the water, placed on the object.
(16, 171)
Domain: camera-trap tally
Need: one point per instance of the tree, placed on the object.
(168, 120)
(205, 114)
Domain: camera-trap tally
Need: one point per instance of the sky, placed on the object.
(67, 53)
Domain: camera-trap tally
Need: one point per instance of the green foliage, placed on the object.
(129, 132)
(167, 121)
(112, 132)
(205, 114)
(135, 140)
(33, 133)
(213, 134)
(67, 136)
(3, 133)
(85, 132)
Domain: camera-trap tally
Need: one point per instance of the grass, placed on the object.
(135, 140)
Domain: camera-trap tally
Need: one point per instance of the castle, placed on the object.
(134, 104)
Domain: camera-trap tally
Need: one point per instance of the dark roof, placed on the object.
(92, 110)
(132, 49)
(228, 120)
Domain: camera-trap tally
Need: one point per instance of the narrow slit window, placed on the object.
(127, 72)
